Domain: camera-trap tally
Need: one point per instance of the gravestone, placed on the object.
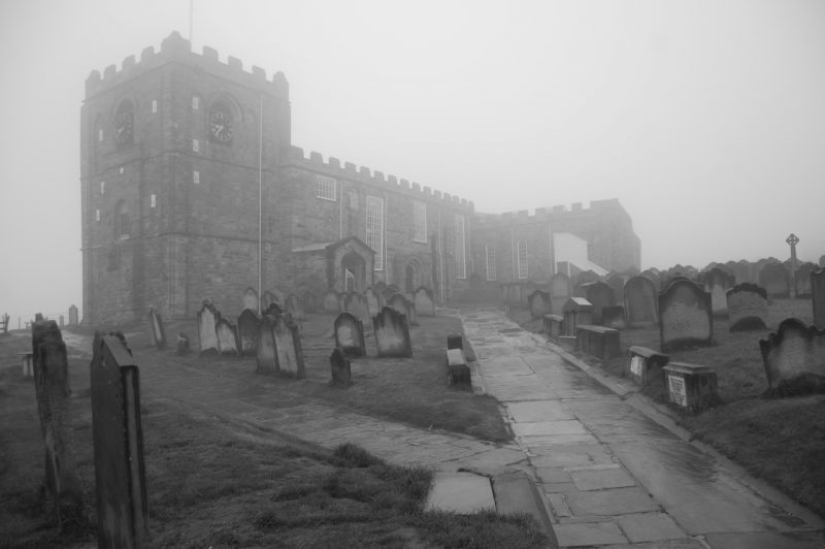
(392, 335)
(294, 307)
(424, 301)
(73, 316)
(267, 356)
(775, 279)
(374, 301)
(654, 276)
(616, 283)
(356, 304)
(182, 345)
(120, 473)
(576, 311)
(691, 387)
(641, 306)
(330, 303)
(540, 304)
(349, 335)
(685, 316)
(613, 316)
(717, 283)
(273, 310)
(157, 335)
(802, 279)
(818, 297)
(208, 318)
(341, 369)
(279, 296)
(743, 272)
(747, 307)
(585, 277)
(645, 365)
(249, 327)
(250, 300)
(267, 299)
(600, 295)
(794, 359)
(51, 385)
(227, 335)
(290, 359)
(403, 306)
(460, 376)
(561, 290)
(455, 341)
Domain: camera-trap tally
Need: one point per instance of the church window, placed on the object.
(491, 261)
(102, 187)
(196, 177)
(419, 221)
(521, 253)
(375, 229)
(100, 134)
(152, 200)
(196, 102)
(122, 224)
(154, 106)
(460, 248)
(196, 145)
(124, 123)
(326, 187)
(97, 215)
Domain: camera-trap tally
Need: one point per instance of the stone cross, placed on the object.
(792, 241)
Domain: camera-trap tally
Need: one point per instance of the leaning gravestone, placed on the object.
(267, 356)
(51, 385)
(120, 477)
(248, 331)
(341, 369)
(641, 302)
(600, 295)
(794, 359)
(424, 301)
(250, 300)
(349, 335)
(774, 277)
(330, 303)
(356, 304)
(685, 316)
(288, 348)
(717, 283)
(374, 301)
(208, 318)
(747, 307)
(402, 305)
(818, 296)
(392, 335)
(157, 335)
(227, 335)
(540, 304)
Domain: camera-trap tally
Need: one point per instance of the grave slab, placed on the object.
(462, 493)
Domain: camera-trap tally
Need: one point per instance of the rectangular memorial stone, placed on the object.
(267, 359)
(685, 316)
(691, 387)
(250, 300)
(598, 341)
(208, 318)
(460, 375)
(640, 298)
(331, 303)
(577, 310)
(392, 336)
(288, 348)
(645, 365)
(403, 306)
(227, 335)
(553, 326)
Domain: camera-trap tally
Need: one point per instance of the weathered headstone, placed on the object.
(267, 356)
(182, 345)
(51, 384)
(654, 276)
(267, 298)
(818, 297)
(794, 359)
(273, 310)
(288, 348)
(560, 289)
(120, 477)
(249, 327)
(392, 335)
(600, 295)
(403, 306)
(208, 318)
(330, 303)
(743, 272)
(349, 335)
(356, 304)
(613, 316)
(747, 307)
(279, 296)
(685, 316)
(775, 279)
(576, 311)
(73, 316)
(645, 365)
(691, 387)
(294, 307)
(802, 279)
(157, 335)
(250, 300)
(374, 301)
(424, 301)
(717, 283)
(540, 304)
(616, 283)
(341, 369)
(227, 335)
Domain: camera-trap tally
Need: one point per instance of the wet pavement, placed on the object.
(609, 474)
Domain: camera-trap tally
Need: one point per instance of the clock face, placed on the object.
(220, 126)
(123, 128)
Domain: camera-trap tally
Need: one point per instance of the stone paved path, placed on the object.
(610, 475)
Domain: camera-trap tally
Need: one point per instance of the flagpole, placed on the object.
(191, 19)
(260, 204)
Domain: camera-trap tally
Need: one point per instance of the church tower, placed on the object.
(175, 149)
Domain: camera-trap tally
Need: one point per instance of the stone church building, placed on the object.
(192, 189)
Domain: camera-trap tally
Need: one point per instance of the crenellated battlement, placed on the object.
(332, 168)
(175, 48)
(597, 207)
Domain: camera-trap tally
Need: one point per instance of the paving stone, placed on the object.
(767, 540)
(562, 487)
(686, 543)
(541, 410)
(617, 501)
(559, 505)
(462, 493)
(588, 534)
(540, 428)
(650, 527)
(553, 474)
(601, 478)
(569, 460)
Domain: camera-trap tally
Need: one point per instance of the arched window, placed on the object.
(125, 123)
(121, 220)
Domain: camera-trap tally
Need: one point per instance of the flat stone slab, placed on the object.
(588, 534)
(532, 411)
(650, 527)
(601, 478)
(687, 543)
(462, 493)
(767, 540)
(515, 493)
(541, 428)
(618, 501)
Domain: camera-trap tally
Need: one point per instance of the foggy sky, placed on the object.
(706, 119)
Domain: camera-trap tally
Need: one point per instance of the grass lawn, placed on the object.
(781, 441)
(212, 482)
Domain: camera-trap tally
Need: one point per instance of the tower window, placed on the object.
(491, 261)
(154, 106)
(460, 248)
(196, 145)
(122, 223)
(326, 187)
(521, 252)
(124, 123)
(102, 187)
(196, 177)
(196, 102)
(375, 229)
(152, 200)
(419, 222)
